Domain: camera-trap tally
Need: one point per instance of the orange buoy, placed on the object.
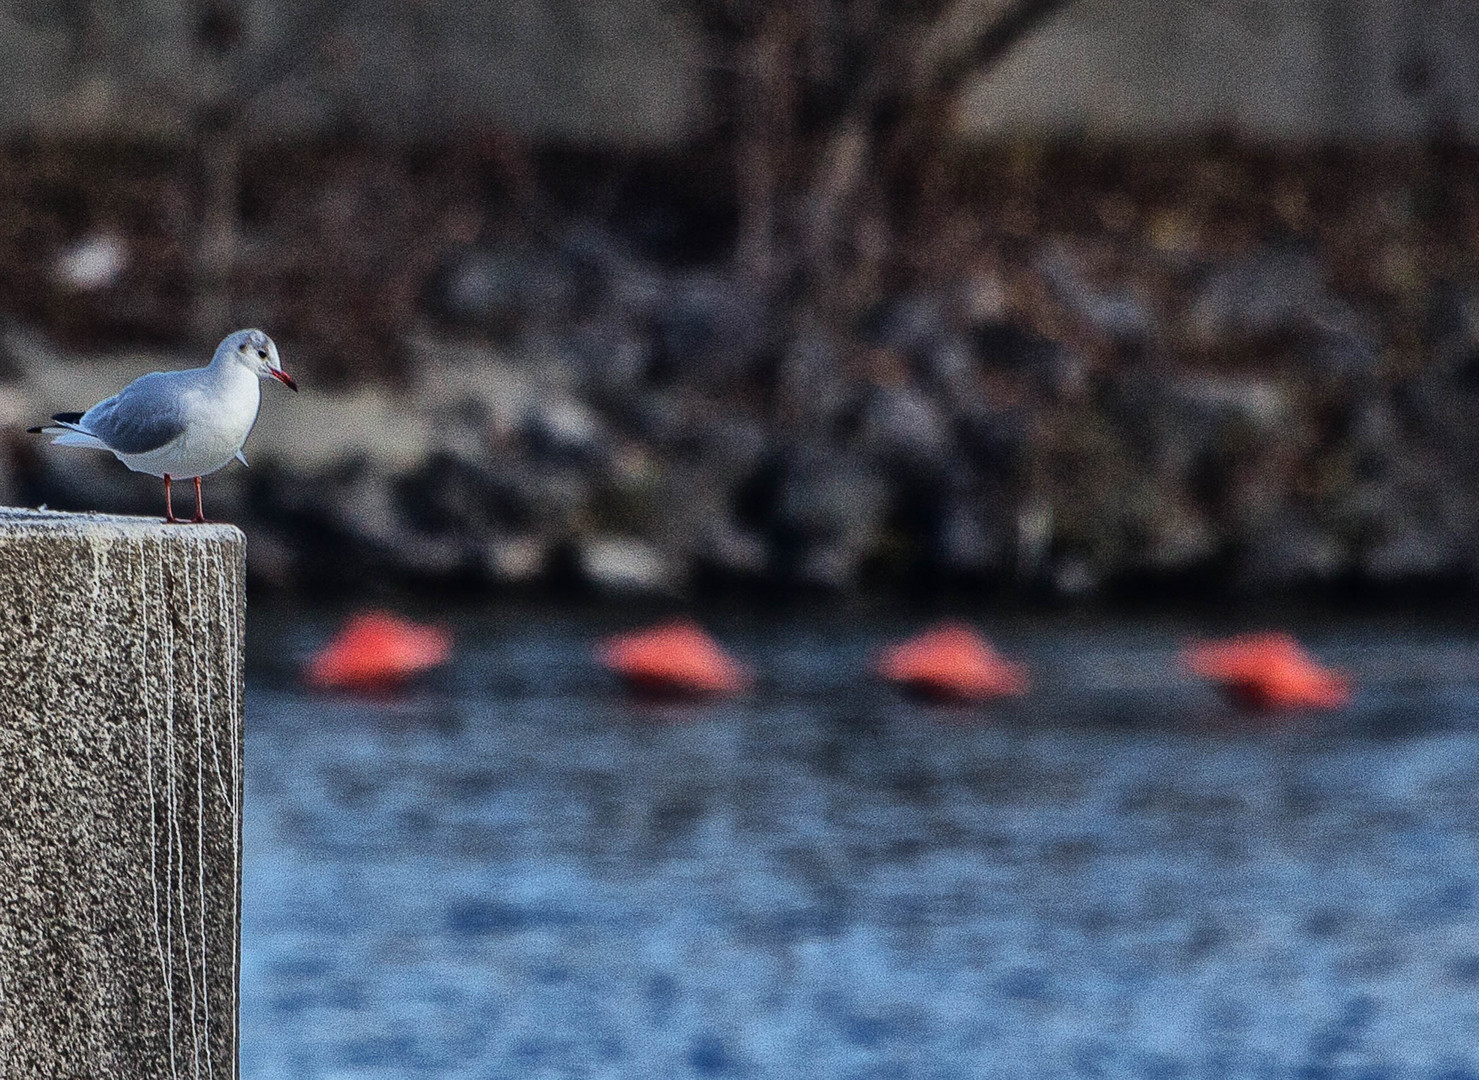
(673, 660)
(951, 662)
(376, 650)
(1267, 672)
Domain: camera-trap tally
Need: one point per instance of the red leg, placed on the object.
(169, 509)
(199, 517)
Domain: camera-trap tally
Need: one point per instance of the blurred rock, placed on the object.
(992, 437)
(826, 494)
(1408, 552)
(1266, 292)
(732, 446)
(1075, 578)
(829, 565)
(1050, 364)
(983, 298)
(1259, 401)
(730, 550)
(811, 382)
(905, 424)
(974, 537)
(709, 329)
(1034, 538)
(515, 560)
(624, 565)
(1176, 539)
(420, 557)
(275, 560)
(93, 262)
(1090, 294)
(1282, 291)
(359, 501)
(913, 324)
(16, 350)
(1296, 552)
(598, 260)
(484, 288)
(950, 368)
(611, 360)
(828, 514)
(1454, 317)
(470, 381)
(560, 426)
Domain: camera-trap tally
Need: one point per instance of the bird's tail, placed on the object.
(65, 427)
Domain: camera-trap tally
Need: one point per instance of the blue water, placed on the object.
(514, 871)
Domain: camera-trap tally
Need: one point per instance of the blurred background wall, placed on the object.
(629, 72)
(1300, 70)
(613, 73)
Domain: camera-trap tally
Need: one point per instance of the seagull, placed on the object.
(181, 423)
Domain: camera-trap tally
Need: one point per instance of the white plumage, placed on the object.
(181, 423)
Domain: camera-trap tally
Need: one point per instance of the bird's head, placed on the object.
(257, 353)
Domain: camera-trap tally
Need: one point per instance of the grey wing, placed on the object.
(141, 417)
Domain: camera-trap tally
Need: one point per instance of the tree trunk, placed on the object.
(838, 218)
(218, 159)
(766, 103)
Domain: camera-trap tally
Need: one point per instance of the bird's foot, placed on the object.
(170, 519)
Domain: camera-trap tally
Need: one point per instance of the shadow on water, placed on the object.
(515, 870)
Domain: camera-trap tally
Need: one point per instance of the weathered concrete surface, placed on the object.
(120, 796)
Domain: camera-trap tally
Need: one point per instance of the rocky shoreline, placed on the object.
(484, 471)
(1226, 370)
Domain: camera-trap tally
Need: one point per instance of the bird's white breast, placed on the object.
(219, 413)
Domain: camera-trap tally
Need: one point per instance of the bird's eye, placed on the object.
(242, 347)
(261, 354)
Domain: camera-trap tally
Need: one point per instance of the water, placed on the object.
(516, 872)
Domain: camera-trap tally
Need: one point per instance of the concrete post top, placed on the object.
(18, 521)
(120, 796)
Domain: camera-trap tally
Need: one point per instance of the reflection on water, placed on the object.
(514, 872)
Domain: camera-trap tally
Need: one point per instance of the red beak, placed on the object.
(284, 378)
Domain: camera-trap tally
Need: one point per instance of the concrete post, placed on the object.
(120, 797)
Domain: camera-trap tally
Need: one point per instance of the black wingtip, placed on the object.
(33, 431)
(66, 417)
